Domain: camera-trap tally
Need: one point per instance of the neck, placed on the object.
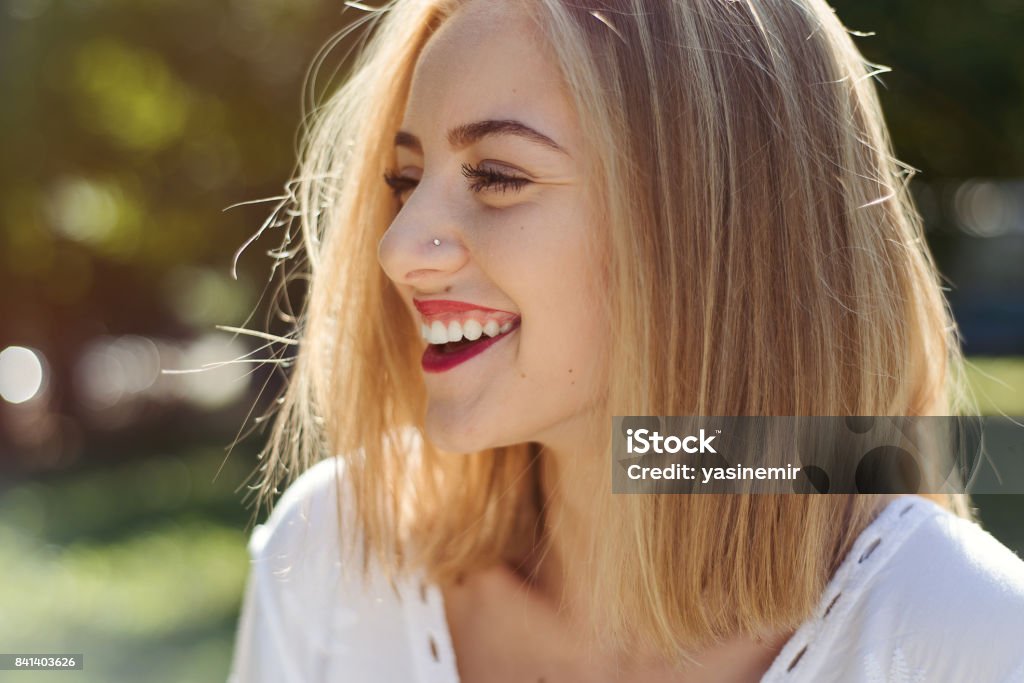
(553, 559)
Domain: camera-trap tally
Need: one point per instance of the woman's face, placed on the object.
(489, 165)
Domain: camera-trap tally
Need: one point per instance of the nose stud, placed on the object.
(437, 242)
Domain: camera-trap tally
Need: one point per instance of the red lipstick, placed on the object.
(440, 306)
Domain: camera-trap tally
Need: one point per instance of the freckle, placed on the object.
(523, 375)
(572, 383)
(447, 289)
(570, 371)
(521, 227)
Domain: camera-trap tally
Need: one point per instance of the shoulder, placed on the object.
(309, 508)
(924, 595)
(283, 629)
(297, 557)
(308, 612)
(951, 599)
(315, 522)
(948, 578)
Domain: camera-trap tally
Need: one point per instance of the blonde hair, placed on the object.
(755, 211)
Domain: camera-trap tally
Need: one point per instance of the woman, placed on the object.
(588, 209)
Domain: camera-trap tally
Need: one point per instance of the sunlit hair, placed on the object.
(755, 213)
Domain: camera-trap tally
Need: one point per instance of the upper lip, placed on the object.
(430, 307)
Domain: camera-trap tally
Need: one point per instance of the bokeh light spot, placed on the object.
(21, 374)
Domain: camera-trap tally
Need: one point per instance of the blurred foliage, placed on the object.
(140, 567)
(954, 99)
(127, 128)
(998, 385)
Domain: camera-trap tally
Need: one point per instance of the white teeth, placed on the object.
(438, 333)
(472, 330)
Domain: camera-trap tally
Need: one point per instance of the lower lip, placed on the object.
(435, 361)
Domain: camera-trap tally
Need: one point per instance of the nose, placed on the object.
(422, 247)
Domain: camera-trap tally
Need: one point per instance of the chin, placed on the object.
(455, 435)
(461, 434)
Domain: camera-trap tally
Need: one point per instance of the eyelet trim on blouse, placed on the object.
(429, 636)
(876, 543)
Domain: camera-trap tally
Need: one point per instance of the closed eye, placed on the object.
(480, 178)
(400, 184)
(483, 178)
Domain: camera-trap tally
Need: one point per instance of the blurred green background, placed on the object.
(127, 127)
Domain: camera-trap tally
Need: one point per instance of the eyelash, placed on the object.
(399, 183)
(487, 179)
(480, 179)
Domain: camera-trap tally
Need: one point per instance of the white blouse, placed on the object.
(924, 596)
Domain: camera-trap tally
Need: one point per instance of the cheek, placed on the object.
(538, 256)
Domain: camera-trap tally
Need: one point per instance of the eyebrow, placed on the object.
(469, 133)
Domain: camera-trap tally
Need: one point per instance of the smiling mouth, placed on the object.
(445, 356)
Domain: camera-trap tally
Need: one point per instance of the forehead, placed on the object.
(488, 61)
